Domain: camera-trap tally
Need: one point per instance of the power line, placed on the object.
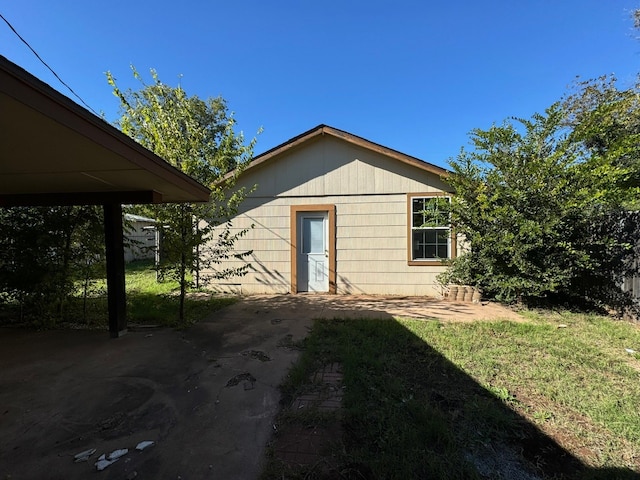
(46, 65)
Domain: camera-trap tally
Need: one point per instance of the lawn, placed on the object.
(554, 396)
(149, 301)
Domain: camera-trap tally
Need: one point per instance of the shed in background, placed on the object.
(140, 237)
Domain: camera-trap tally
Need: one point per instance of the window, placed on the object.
(430, 229)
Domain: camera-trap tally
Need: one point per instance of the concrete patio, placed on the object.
(206, 396)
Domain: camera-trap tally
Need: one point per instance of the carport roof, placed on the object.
(54, 152)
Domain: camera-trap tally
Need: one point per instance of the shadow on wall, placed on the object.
(262, 274)
(268, 277)
(328, 160)
(346, 287)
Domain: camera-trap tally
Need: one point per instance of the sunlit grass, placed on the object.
(149, 301)
(153, 301)
(556, 395)
(583, 365)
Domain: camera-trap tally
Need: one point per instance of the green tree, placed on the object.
(541, 207)
(44, 251)
(196, 136)
(605, 122)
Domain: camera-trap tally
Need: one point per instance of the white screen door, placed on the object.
(313, 255)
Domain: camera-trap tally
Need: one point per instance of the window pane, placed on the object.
(430, 243)
(430, 251)
(418, 244)
(430, 219)
(313, 235)
(430, 212)
(430, 236)
(443, 235)
(417, 205)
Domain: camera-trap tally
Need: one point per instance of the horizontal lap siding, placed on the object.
(270, 270)
(378, 254)
(371, 247)
(369, 191)
(333, 168)
(371, 250)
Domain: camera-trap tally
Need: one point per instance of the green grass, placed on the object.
(426, 399)
(152, 302)
(148, 302)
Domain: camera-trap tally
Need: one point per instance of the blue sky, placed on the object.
(415, 76)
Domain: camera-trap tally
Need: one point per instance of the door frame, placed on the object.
(330, 210)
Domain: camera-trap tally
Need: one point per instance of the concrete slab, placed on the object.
(207, 396)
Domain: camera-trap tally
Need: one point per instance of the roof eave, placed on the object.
(33, 93)
(321, 130)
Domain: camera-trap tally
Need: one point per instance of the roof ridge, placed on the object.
(324, 129)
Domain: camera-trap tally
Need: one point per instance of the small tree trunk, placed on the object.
(183, 265)
(84, 297)
(66, 260)
(197, 270)
(183, 286)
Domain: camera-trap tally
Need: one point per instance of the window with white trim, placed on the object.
(430, 228)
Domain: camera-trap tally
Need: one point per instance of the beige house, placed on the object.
(335, 213)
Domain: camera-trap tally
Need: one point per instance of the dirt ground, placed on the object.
(206, 396)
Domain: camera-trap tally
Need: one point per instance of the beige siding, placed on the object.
(331, 167)
(370, 259)
(369, 191)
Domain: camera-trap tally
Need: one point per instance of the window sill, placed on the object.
(428, 263)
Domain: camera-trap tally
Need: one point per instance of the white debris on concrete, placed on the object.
(116, 454)
(102, 464)
(142, 445)
(84, 456)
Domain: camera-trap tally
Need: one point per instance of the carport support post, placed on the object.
(114, 243)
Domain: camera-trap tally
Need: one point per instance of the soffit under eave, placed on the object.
(49, 144)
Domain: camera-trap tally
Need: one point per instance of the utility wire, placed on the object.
(46, 65)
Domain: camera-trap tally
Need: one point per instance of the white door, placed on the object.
(313, 254)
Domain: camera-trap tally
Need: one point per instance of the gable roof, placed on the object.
(322, 130)
(54, 152)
